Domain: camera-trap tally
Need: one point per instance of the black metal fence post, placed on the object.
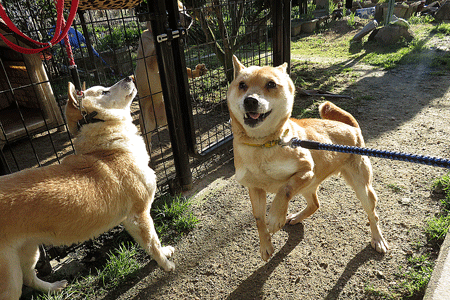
(88, 44)
(4, 169)
(179, 59)
(183, 84)
(281, 16)
(171, 86)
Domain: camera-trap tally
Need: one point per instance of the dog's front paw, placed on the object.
(275, 222)
(168, 251)
(162, 259)
(168, 266)
(380, 245)
(266, 250)
(58, 286)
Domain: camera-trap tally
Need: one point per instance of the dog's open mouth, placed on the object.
(252, 118)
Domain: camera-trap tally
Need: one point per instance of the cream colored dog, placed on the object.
(260, 101)
(153, 112)
(107, 182)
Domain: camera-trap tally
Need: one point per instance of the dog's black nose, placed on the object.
(129, 78)
(251, 104)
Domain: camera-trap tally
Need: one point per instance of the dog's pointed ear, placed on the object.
(73, 114)
(237, 66)
(72, 95)
(283, 67)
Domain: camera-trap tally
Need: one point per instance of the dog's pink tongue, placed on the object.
(254, 115)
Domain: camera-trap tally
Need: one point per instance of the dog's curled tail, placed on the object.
(330, 111)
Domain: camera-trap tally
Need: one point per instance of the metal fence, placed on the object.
(197, 136)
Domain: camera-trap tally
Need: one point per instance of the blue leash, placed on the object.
(420, 159)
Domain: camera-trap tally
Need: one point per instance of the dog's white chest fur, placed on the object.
(268, 173)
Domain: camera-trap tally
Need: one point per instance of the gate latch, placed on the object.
(174, 34)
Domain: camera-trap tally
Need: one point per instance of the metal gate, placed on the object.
(243, 29)
(197, 133)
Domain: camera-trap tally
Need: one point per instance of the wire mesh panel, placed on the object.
(106, 46)
(32, 129)
(223, 29)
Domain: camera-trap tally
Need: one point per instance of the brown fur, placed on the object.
(330, 111)
(288, 171)
(107, 182)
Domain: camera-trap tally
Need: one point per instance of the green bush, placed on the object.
(119, 37)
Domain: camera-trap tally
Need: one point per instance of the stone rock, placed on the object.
(393, 33)
(443, 12)
(366, 30)
(406, 201)
(379, 274)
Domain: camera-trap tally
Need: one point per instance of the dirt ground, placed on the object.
(328, 256)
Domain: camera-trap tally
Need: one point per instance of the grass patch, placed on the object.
(442, 29)
(311, 111)
(442, 185)
(351, 20)
(322, 45)
(366, 98)
(442, 62)
(395, 187)
(438, 226)
(413, 277)
(415, 20)
(122, 263)
(417, 276)
(173, 217)
(420, 267)
(413, 280)
(398, 54)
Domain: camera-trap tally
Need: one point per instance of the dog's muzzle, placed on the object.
(252, 117)
(130, 78)
(251, 104)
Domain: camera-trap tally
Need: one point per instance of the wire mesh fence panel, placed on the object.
(105, 44)
(32, 127)
(222, 29)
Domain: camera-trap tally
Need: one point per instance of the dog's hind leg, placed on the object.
(141, 228)
(29, 255)
(10, 275)
(359, 176)
(258, 200)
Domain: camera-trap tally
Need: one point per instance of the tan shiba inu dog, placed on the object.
(260, 101)
(105, 183)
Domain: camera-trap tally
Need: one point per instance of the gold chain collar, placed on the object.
(272, 143)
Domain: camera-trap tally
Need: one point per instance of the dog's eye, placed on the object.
(271, 85)
(242, 85)
(105, 92)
